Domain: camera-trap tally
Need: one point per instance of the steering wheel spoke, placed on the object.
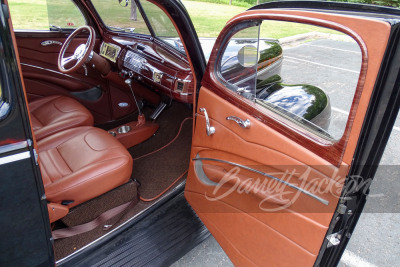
(82, 52)
(67, 60)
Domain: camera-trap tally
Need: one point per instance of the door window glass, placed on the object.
(54, 15)
(238, 65)
(4, 85)
(307, 74)
(4, 105)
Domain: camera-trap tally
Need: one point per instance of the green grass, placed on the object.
(208, 18)
(240, 3)
(28, 14)
(280, 29)
(64, 14)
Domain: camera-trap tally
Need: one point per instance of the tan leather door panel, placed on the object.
(268, 192)
(298, 221)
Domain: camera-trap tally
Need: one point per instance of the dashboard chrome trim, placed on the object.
(104, 49)
(134, 61)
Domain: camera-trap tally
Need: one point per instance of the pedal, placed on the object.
(158, 110)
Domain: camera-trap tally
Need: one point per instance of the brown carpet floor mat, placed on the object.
(67, 246)
(157, 171)
(91, 209)
(169, 122)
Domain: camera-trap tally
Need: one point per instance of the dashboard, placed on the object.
(154, 65)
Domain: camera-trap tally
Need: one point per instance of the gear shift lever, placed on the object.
(141, 117)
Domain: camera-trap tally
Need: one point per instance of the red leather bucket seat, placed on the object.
(82, 163)
(52, 114)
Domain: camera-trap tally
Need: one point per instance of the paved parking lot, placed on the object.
(337, 72)
(376, 240)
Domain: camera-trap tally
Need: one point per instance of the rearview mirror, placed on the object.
(123, 3)
(248, 56)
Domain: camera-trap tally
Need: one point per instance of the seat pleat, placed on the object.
(49, 171)
(59, 162)
(81, 163)
(53, 114)
(89, 149)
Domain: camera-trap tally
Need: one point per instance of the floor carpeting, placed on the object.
(157, 171)
(91, 209)
(169, 122)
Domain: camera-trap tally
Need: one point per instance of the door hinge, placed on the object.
(342, 209)
(35, 154)
(334, 239)
(345, 212)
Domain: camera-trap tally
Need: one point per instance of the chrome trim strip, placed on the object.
(198, 168)
(323, 201)
(13, 146)
(50, 42)
(185, 94)
(89, 57)
(57, 72)
(16, 157)
(180, 186)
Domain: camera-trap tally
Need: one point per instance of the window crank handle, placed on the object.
(243, 123)
(210, 129)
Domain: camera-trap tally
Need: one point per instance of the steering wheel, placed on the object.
(82, 52)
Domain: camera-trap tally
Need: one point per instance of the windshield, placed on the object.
(162, 25)
(121, 16)
(127, 16)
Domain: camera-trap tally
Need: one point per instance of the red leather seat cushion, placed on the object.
(82, 163)
(53, 114)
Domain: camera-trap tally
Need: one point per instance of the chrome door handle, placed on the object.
(210, 129)
(244, 124)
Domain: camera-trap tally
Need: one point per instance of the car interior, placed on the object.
(111, 91)
(111, 114)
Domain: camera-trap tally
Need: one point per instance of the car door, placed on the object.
(273, 186)
(39, 36)
(24, 225)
